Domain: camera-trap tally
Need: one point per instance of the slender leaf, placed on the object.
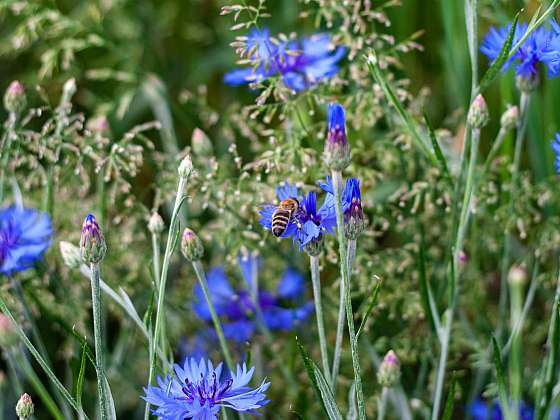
(320, 386)
(500, 377)
(426, 292)
(448, 412)
(369, 309)
(81, 377)
(499, 62)
(439, 154)
(394, 100)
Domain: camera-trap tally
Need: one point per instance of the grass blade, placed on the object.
(499, 62)
(426, 295)
(81, 377)
(439, 154)
(369, 309)
(320, 385)
(448, 411)
(500, 376)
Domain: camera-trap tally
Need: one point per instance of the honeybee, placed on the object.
(282, 215)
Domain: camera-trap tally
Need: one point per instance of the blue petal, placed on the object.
(249, 265)
(221, 294)
(291, 284)
(286, 190)
(239, 331)
(294, 81)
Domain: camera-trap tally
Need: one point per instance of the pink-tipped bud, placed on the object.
(510, 118)
(389, 370)
(15, 99)
(478, 113)
(156, 224)
(517, 276)
(191, 245)
(99, 125)
(201, 144)
(25, 407)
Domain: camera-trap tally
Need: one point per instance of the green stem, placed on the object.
(506, 259)
(341, 315)
(6, 146)
(337, 187)
(382, 403)
(98, 339)
(217, 325)
(316, 280)
(494, 150)
(48, 199)
(171, 239)
(515, 355)
(445, 334)
(101, 199)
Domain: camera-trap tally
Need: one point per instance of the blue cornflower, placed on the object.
(301, 63)
(197, 391)
(534, 50)
(309, 223)
(283, 309)
(556, 147)
(337, 151)
(482, 410)
(24, 235)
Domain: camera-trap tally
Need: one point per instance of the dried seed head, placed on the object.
(92, 244)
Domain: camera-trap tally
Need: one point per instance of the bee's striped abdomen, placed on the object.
(280, 220)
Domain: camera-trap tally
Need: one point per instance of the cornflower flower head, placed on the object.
(354, 220)
(25, 234)
(283, 309)
(337, 150)
(92, 243)
(482, 410)
(309, 223)
(555, 144)
(534, 50)
(197, 390)
(300, 63)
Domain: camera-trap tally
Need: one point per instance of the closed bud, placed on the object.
(8, 334)
(527, 84)
(25, 407)
(70, 254)
(201, 144)
(517, 276)
(389, 370)
(191, 245)
(337, 151)
(15, 99)
(99, 125)
(478, 115)
(92, 244)
(156, 224)
(510, 118)
(185, 167)
(314, 247)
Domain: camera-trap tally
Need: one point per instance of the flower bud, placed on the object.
(99, 125)
(478, 115)
(527, 84)
(389, 370)
(517, 276)
(15, 100)
(201, 144)
(354, 220)
(92, 244)
(509, 118)
(70, 254)
(69, 89)
(185, 167)
(8, 334)
(24, 407)
(156, 224)
(191, 245)
(337, 151)
(315, 246)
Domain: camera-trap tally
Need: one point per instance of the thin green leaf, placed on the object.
(439, 154)
(394, 100)
(425, 291)
(369, 309)
(500, 377)
(448, 412)
(81, 377)
(320, 385)
(4, 308)
(499, 62)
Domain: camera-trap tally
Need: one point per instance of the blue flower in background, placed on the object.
(25, 234)
(534, 50)
(556, 147)
(309, 223)
(283, 309)
(197, 391)
(301, 63)
(482, 410)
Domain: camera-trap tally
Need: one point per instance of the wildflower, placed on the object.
(478, 115)
(556, 148)
(509, 118)
(300, 63)
(92, 243)
(482, 410)
(15, 100)
(24, 235)
(354, 220)
(337, 151)
(156, 224)
(197, 391)
(281, 310)
(191, 245)
(8, 334)
(534, 50)
(389, 370)
(25, 407)
(310, 223)
(70, 254)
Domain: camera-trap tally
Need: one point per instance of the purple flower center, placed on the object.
(9, 237)
(204, 391)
